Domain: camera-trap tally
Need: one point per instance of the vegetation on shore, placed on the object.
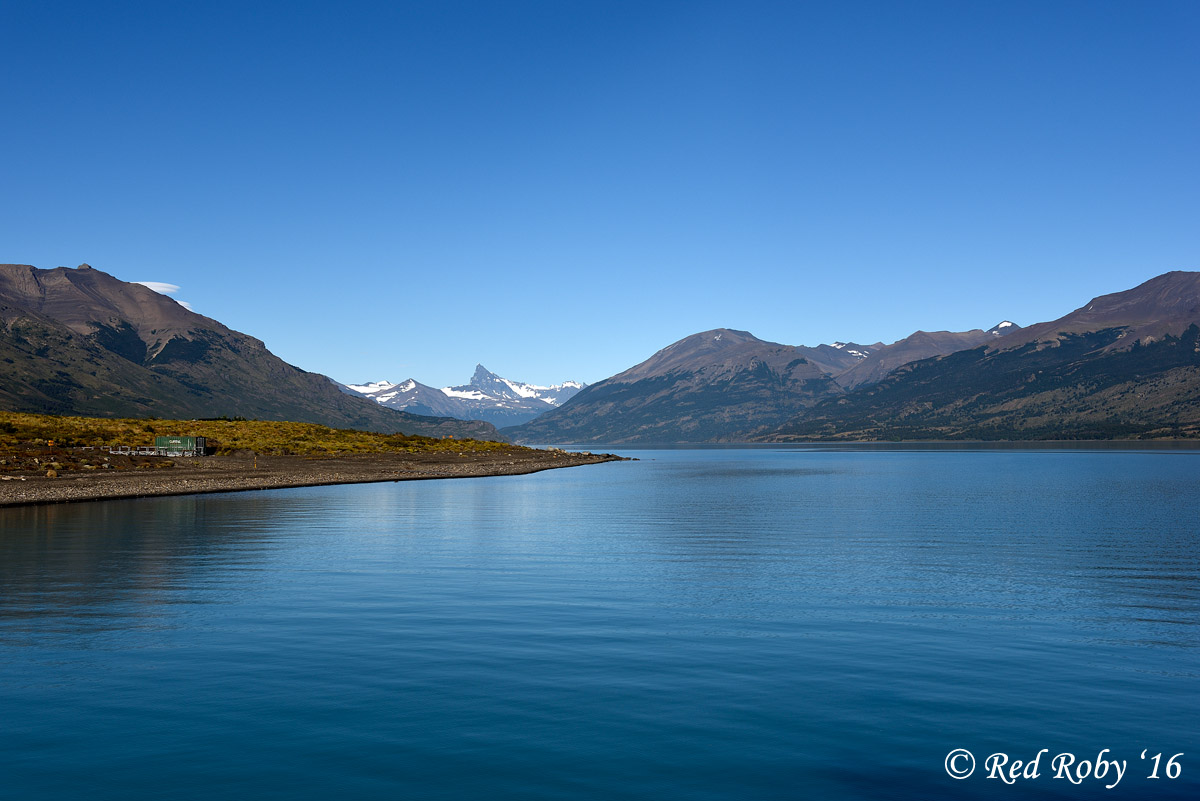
(1073, 387)
(19, 430)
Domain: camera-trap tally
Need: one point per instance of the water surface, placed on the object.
(703, 624)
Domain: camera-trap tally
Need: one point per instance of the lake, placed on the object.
(771, 623)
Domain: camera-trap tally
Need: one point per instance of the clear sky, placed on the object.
(558, 189)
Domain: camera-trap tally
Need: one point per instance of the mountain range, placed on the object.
(487, 397)
(695, 390)
(83, 342)
(721, 384)
(1122, 365)
(1125, 364)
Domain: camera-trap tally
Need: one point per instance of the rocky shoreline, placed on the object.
(243, 472)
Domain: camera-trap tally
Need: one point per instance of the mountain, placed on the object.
(699, 389)
(719, 384)
(487, 397)
(882, 360)
(1165, 305)
(411, 396)
(83, 342)
(840, 356)
(1125, 364)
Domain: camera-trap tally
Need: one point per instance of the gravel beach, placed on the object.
(246, 472)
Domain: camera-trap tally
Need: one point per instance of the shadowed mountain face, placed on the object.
(1165, 305)
(1079, 387)
(83, 342)
(699, 389)
(720, 384)
(1125, 364)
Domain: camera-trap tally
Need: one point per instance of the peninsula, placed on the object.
(49, 459)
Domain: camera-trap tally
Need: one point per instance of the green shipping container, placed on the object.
(185, 445)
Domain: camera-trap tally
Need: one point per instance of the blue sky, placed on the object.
(558, 189)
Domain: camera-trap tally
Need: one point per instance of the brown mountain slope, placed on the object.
(704, 387)
(883, 360)
(81, 341)
(85, 299)
(1124, 365)
(1078, 388)
(1165, 305)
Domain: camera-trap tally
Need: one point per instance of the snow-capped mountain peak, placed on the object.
(487, 397)
(489, 384)
(371, 386)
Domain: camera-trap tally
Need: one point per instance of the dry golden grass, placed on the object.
(18, 429)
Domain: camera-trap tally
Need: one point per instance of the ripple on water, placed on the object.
(771, 623)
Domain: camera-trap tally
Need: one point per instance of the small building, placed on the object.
(180, 446)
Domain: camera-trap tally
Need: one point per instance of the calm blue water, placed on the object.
(733, 624)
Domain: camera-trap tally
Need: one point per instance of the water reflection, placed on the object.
(96, 564)
(702, 624)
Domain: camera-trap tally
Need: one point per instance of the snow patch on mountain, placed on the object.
(470, 394)
(524, 390)
(1004, 328)
(373, 386)
(488, 396)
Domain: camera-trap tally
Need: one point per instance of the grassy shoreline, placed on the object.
(224, 435)
(46, 459)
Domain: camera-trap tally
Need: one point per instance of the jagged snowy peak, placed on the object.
(488, 397)
(487, 385)
(410, 396)
(557, 394)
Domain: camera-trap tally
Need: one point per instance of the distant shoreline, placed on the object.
(244, 473)
(1181, 443)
